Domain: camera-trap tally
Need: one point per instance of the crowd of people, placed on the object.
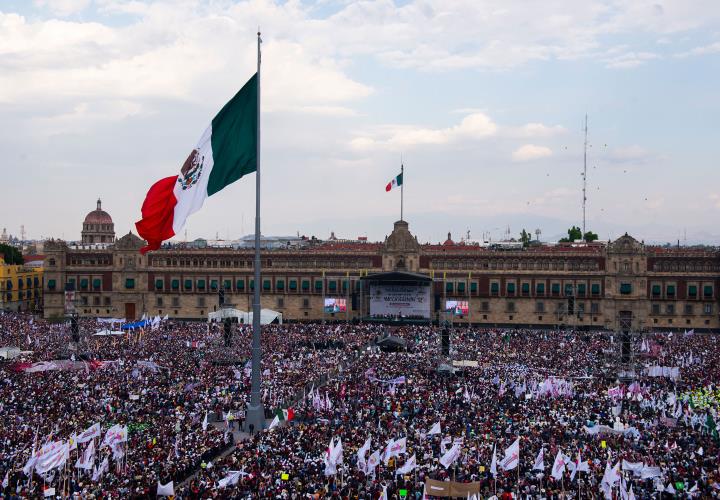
(357, 418)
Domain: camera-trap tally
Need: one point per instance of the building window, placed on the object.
(306, 303)
(625, 288)
(96, 301)
(555, 289)
(595, 289)
(485, 306)
(494, 288)
(280, 302)
(656, 290)
(511, 288)
(176, 302)
(51, 262)
(511, 307)
(594, 308)
(670, 290)
(525, 289)
(83, 300)
(688, 309)
(201, 301)
(692, 291)
(540, 289)
(707, 308)
(540, 307)
(130, 283)
(656, 309)
(670, 309)
(707, 291)
(159, 301)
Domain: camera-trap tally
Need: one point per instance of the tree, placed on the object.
(590, 236)
(525, 238)
(11, 254)
(574, 234)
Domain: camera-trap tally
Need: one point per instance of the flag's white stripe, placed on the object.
(191, 200)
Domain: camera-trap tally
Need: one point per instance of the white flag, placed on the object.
(230, 480)
(451, 456)
(85, 461)
(362, 465)
(493, 464)
(408, 467)
(53, 459)
(166, 490)
(384, 495)
(275, 422)
(6, 481)
(578, 466)
(435, 429)
(90, 433)
(558, 466)
(205, 422)
(397, 448)
(540, 460)
(115, 434)
(373, 461)
(512, 456)
(102, 469)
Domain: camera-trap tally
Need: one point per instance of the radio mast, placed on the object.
(584, 189)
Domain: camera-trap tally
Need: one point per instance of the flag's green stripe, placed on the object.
(398, 179)
(234, 138)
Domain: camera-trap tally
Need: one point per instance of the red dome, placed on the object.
(98, 216)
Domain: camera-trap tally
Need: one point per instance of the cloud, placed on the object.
(630, 60)
(475, 126)
(712, 48)
(529, 152)
(530, 130)
(63, 7)
(715, 200)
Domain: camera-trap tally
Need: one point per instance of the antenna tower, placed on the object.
(584, 189)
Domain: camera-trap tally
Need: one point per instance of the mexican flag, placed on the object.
(285, 414)
(396, 182)
(226, 151)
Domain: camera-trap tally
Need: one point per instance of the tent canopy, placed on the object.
(267, 316)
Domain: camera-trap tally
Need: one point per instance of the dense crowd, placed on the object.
(557, 392)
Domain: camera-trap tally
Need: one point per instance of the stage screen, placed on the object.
(335, 305)
(400, 300)
(457, 307)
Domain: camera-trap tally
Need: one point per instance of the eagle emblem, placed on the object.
(191, 170)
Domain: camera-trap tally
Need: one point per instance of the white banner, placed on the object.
(400, 300)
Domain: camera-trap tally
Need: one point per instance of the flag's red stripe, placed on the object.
(158, 211)
(389, 186)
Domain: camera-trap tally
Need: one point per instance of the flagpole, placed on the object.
(255, 413)
(402, 187)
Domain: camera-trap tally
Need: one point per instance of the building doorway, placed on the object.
(129, 311)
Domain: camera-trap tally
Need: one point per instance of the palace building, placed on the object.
(595, 285)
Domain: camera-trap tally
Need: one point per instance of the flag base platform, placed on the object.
(254, 416)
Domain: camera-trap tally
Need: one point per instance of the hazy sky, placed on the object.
(484, 100)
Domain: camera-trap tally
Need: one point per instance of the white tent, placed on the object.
(226, 313)
(9, 352)
(267, 316)
(105, 333)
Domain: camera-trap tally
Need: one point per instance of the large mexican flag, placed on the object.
(226, 151)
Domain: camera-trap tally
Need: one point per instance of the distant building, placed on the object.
(597, 285)
(98, 227)
(21, 287)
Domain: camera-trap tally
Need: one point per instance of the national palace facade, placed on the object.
(571, 285)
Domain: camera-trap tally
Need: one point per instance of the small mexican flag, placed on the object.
(285, 414)
(396, 182)
(226, 151)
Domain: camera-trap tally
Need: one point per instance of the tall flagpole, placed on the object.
(255, 413)
(402, 187)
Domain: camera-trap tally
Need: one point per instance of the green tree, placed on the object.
(525, 238)
(574, 234)
(590, 236)
(11, 254)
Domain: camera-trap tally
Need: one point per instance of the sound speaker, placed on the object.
(227, 331)
(221, 296)
(571, 305)
(353, 301)
(625, 347)
(437, 302)
(445, 341)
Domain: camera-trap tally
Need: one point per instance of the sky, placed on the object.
(483, 101)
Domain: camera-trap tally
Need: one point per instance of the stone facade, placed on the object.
(578, 285)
